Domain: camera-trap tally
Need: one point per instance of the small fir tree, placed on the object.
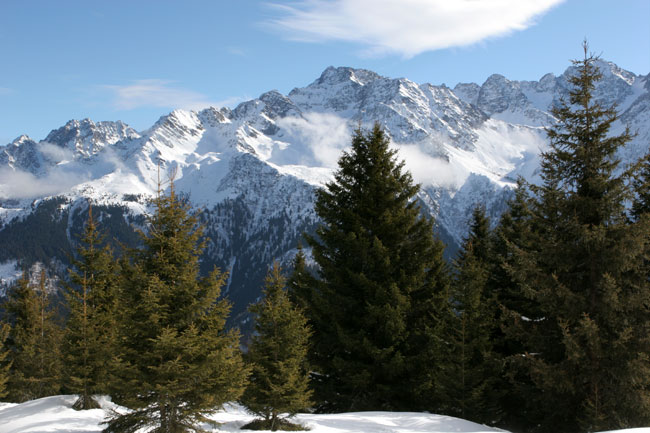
(90, 337)
(278, 356)
(374, 309)
(180, 362)
(33, 342)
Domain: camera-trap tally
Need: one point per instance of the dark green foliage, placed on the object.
(179, 361)
(45, 234)
(33, 343)
(374, 309)
(39, 236)
(90, 337)
(301, 282)
(278, 356)
(587, 347)
(510, 238)
(5, 364)
(470, 374)
(641, 184)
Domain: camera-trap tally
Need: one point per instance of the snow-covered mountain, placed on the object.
(253, 169)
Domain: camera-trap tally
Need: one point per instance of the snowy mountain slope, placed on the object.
(253, 169)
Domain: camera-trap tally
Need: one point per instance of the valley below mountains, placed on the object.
(252, 170)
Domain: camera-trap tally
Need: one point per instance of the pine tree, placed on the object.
(589, 345)
(373, 310)
(180, 362)
(473, 368)
(278, 356)
(90, 337)
(33, 342)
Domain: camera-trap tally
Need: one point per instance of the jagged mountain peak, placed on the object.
(341, 74)
(19, 141)
(279, 105)
(212, 116)
(22, 154)
(178, 117)
(86, 138)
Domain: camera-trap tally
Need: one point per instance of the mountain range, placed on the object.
(253, 170)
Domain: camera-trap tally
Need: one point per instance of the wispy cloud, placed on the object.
(22, 184)
(160, 93)
(427, 169)
(236, 51)
(406, 27)
(63, 173)
(5, 91)
(326, 136)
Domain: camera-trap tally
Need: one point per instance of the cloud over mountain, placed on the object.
(407, 27)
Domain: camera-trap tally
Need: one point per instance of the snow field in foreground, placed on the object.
(55, 415)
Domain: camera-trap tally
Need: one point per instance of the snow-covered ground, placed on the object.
(55, 414)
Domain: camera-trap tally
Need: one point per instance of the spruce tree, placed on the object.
(33, 342)
(301, 282)
(90, 337)
(473, 368)
(588, 347)
(278, 356)
(180, 361)
(516, 305)
(373, 311)
(5, 364)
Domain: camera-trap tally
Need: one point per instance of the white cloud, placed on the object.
(22, 184)
(65, 173)
(326, 135)
(56, 153)
(407, 27)
(429, 170)
(160, 93)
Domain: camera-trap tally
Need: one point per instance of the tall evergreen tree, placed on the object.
(473, 368)
(373, 310)
(589, 345)
(513, 235)
(90, 337)
(181, 363)
(33, 342)
(278, 356)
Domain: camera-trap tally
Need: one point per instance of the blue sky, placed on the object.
(136, 60)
